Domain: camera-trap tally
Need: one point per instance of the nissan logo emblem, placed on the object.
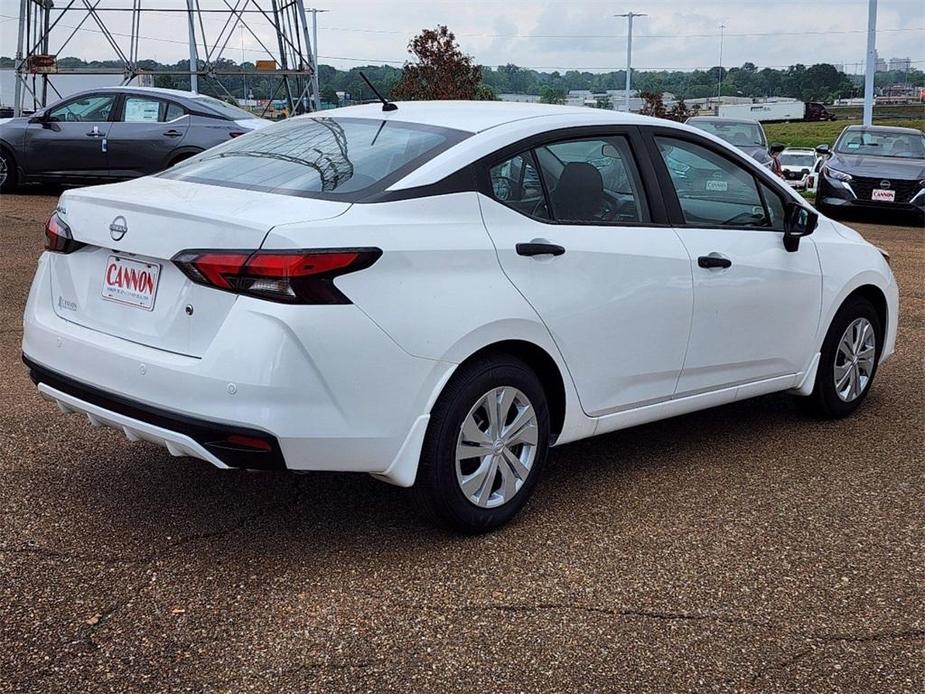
(884, 184)
(118, 228)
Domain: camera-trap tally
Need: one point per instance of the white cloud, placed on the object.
(499, 31)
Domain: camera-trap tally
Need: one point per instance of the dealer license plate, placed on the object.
(131, 282)
(883, 195)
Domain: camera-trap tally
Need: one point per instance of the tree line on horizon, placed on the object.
(440, 70)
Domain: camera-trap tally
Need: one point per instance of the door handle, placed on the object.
(95, 133)
(530, 249)
(173, 133)
(713, 261)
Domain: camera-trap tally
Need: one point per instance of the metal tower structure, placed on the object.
(278, 27)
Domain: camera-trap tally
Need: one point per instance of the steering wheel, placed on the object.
(503, 187)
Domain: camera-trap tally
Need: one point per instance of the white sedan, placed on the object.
(437, 294)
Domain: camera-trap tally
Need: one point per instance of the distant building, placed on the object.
(902, 64)
(520, 98)
(881, 65)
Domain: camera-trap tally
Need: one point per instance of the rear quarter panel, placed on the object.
(438, 290)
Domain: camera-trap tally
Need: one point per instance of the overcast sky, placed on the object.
(546, 34)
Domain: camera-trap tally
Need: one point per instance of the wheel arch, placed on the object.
(11, 153)
(181, 154)
(877, 298)
(545, 368)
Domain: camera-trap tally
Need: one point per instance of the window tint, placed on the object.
(775, 207)
(86, 109)
(593, 180)
(174, 111)
(227, 110)
(139, 109)
(336, 158)
(713, 190)
(516, 184)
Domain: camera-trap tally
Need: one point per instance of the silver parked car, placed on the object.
(115, 133)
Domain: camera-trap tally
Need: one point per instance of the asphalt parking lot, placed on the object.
(745, 548)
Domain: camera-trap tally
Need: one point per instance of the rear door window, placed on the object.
(139, 109)
(593, 181)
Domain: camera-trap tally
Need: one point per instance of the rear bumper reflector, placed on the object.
(236, 447)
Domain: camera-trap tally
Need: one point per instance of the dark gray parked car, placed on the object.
(115, 133)
(747, 135)
(876, 167)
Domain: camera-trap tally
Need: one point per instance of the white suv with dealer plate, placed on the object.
(435, 294)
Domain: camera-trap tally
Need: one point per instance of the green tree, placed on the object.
(551, 95)
(329, 94)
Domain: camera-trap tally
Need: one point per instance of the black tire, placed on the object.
(8, 172)
(824, 402)
(437, 488)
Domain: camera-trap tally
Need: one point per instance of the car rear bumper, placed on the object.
(324, 387)
(219, 444)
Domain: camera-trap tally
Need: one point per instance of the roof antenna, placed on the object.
(386, 105)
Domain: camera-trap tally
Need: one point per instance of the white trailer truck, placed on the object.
(770, 111)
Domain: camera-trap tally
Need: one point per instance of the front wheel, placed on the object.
(485, 445)
(7, 172)
(848, 362)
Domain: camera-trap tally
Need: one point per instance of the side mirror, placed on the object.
(776, 148)
(609, 151)
(822, 150)
(40, 118)
(799, 221)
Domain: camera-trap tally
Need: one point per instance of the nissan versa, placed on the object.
(435, 294)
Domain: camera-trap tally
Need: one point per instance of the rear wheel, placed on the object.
(848, 362)
(485, 445)
(7, 172)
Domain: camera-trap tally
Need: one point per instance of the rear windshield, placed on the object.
(806, 160)
(332, 158)
(882, 143)
(738, 133)
(230, 112)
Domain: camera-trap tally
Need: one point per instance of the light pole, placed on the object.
(243, 74)
(719, 88)
(871, 65)
(629, 54)
(315, 87)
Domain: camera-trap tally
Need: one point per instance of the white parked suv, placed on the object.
(437, 294)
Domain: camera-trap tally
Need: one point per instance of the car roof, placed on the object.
(150, 90)
(477, 116)
(883, 129)
(722, 119)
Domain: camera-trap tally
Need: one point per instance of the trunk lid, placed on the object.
(123, 282)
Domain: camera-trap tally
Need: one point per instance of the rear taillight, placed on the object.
(293, 277)
(58, 237)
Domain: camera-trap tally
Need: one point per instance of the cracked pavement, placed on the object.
(746, 548)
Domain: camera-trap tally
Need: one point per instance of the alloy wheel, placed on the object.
(855, 360)
(496, 447)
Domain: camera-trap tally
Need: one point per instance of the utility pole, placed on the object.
(871, 65)
(629, 54)
(243, 74)
(719, 88)
(193, 52)
(315, 87)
